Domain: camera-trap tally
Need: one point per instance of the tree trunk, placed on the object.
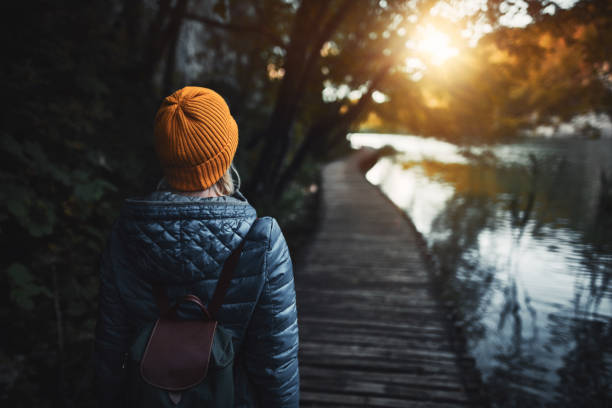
(300, 155)
(284, 109)
(59, 324)
(161, 34)
(336, 123)
(302, 55)
(170, 68)
(132, 18)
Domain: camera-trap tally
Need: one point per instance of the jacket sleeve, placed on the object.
(111, 342)
(271, 348)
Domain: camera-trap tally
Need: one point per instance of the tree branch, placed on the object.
(302, 66)
(276, 40)
(332, 23)
(330, 124)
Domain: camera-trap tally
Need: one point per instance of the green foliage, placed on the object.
(296, 210)
(23, 286)
(67, 149)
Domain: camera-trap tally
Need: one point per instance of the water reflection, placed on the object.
(522, 235)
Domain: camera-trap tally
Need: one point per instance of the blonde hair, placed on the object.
(225, 185)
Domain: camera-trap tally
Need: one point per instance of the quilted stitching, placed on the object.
(195, 245)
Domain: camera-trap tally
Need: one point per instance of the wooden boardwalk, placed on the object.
(371, 332)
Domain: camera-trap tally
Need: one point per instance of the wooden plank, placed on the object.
(365, 338)
(375, 352)
(416, 305)
(353, 386)
(364, 363)
(355, 321)
(391, 314)
(402, 270)
(399, 295)
(434, 381)
(327, 399)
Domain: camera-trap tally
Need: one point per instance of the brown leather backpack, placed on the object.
(184, 362)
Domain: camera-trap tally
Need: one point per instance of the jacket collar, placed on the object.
(168, 204)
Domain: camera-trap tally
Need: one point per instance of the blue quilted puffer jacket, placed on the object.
(183, 242)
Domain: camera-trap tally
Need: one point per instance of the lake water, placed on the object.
(522, 237)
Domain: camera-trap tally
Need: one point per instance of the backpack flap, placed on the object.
(178, 352)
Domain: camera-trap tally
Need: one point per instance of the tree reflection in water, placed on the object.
(586, 375)
(525, 249)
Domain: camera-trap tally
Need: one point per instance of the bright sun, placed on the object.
(433, 44)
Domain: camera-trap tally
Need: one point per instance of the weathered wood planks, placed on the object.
(371, 333)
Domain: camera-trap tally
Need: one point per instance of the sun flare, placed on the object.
(433, 44)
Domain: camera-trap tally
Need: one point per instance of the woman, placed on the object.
(180, 237)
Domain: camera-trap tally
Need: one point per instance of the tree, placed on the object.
(565, 54)
(338, 41)
(515, 79)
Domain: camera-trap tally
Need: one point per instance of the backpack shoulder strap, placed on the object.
(161, 297)
(224, 280)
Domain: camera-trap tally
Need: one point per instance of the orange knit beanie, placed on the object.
(195, 138)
